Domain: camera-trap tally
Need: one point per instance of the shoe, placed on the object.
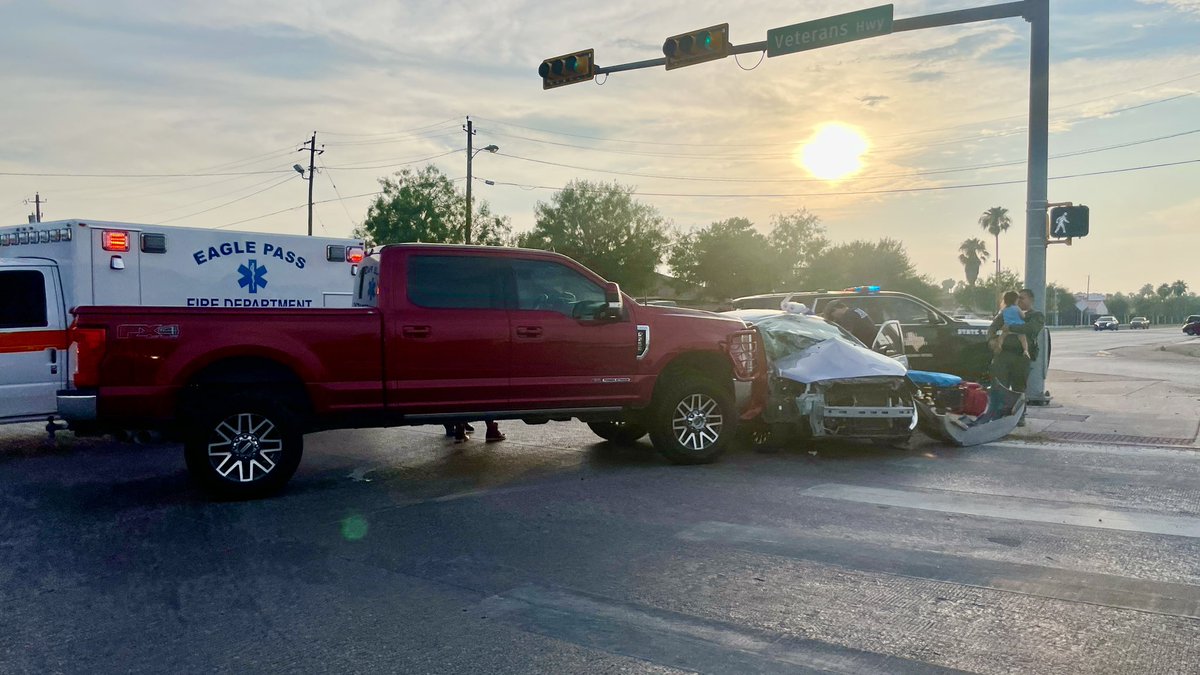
(449, 430)
(469, 428)
(494, 438)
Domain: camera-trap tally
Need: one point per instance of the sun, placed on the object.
(834, 151)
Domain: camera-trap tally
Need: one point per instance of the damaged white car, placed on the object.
(823, 382)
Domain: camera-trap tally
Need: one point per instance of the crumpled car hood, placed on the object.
(837, 360)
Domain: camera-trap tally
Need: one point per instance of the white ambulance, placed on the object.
(46, 269)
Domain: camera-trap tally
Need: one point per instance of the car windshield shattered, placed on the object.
(787, 334)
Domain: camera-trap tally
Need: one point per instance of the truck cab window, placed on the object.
(455, 282)
(549, 286)
(22, 299)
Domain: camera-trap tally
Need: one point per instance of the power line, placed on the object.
(391, 133)
(351, 167)
(974, 167)
(134, 175)
(847, 193)
(339, 195)
(897, 135)
(189, 205)
(234, 201)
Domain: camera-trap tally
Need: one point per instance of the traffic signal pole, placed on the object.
(1037, 14)
(1036, 200)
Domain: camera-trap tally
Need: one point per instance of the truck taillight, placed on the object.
(87, 350)
(354, 254)
(115, 240)
(744, 352)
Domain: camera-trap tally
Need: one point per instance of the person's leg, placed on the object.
(493, 432)
(449, 430)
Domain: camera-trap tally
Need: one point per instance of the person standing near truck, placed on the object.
(1011, 365)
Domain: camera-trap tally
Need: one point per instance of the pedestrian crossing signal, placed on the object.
(1067, 222)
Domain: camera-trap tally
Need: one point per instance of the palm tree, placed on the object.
(972, 253)
(995, 220)
(1179, 288)
(1164, 291)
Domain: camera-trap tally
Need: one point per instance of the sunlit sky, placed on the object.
(142, 87)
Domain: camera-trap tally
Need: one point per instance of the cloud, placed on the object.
(872, 101)
(1192, 6)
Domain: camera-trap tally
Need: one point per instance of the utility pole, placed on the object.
(37, 207)
(1037, 13)
(470, 129)
(311, 146)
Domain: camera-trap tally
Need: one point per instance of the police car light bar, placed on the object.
(864, 289)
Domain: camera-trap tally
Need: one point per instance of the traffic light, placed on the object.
(698, 46)
(568, 69)
(1068, 221)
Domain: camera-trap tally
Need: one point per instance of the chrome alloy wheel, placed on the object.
(697, 421)
(244, 447)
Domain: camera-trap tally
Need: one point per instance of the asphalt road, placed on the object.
(1122, 353)
(398, 551)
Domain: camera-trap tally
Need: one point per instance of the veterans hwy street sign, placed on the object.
(831, 30)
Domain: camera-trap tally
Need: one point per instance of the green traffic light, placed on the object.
(706, 40)
(572, 64)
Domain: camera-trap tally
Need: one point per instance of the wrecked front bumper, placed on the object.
(869, 407)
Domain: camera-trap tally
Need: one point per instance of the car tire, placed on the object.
(245, 446)
(621, 433)
(693, 420)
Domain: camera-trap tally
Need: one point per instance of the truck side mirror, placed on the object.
(614, 303)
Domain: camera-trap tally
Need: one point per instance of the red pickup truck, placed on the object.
(438, 334)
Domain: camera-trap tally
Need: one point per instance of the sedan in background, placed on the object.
(1192, 325)
(1139, 322)
(1106, 323)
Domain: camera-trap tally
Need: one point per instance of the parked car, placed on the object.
(1106, 323)
(1139, 322)
(1191, 326)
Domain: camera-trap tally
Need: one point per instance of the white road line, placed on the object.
(1012, 508)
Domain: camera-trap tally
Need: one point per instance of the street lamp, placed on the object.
(471, 156)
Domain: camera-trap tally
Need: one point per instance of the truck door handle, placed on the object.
(53, 360)
(529, 331)
(416, 331)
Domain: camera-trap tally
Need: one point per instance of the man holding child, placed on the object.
(1013, 337)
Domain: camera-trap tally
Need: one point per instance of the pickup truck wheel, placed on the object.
(621, 433)
(245, 447)
(693, 421)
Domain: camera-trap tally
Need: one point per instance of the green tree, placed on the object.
(1118, 305)
(972, 253)
(797, 239)
(884, 263)
(728, 258)
(1146, 290)
(1164, 291)
(995, 220)
(1060, 306)
(423, 205)
(1179, 288)
(985, 297)
(602, 226)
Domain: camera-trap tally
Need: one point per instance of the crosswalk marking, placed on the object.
(1012, 508)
